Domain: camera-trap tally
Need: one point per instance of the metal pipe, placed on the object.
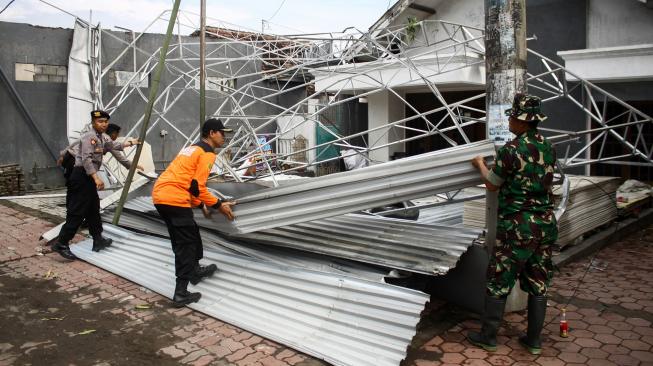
(148, 111)
(202, 62)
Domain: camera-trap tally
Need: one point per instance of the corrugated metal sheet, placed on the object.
(400, 244)
(448, 215)
(343, 320)
(413, 247)
(278, 255)
(337, 194)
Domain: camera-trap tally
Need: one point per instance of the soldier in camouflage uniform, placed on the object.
(526, 227)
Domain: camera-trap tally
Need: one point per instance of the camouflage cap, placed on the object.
(526, 108)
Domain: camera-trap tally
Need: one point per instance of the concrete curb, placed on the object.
(616, 231)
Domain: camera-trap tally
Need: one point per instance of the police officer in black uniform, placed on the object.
(83, 184)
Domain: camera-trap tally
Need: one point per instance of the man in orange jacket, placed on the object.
(179, 188)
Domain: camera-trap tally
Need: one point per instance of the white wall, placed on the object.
(293, 126)
(613, 23)
(383, 108)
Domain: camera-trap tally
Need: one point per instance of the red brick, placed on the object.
(251, 359)
(193, 356)
(173, 352)
(295, 359)
(204, 360)
(635, 345)
(644, 356)
(285, 354)
(218, 350)
(240, 354)
(231, 344)
(271, 361)
(208, 341)
(624, 360)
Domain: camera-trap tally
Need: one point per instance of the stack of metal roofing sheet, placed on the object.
(400, 244)
(337, 194)
(342, 320)
(591, 204)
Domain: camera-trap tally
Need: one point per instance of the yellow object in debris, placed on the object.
(143, 306)
(87, 331)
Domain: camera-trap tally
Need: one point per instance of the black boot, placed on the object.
(64, 250)
(203, 272)
(536, 314)
(491, 320)
(100, 243)
(182, 296)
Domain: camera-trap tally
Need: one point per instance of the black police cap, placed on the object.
(213, 124)
(100, 114)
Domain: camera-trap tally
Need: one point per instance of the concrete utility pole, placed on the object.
(202, 63)
(505, 75)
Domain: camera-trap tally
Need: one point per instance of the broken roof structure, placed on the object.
(301, 103)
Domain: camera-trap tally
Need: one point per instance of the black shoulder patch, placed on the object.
(206, 147)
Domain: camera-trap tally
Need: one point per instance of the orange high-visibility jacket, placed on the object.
(183, 184)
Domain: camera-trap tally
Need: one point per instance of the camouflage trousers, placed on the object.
(522, 251)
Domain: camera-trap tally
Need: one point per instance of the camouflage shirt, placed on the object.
(524, 171)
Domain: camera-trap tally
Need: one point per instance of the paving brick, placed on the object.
(285, 354)
(624, 360)
(173, 352)
(594, 353)
(295, 359)
(231, 344)
(549, 361)
(452, 347)
(588, 342)
(251, 359)
(193, 356)
(475, 362)
(500, 360)
(455, 358)
(639, 322)
(475, 353)
(240, 354)
(271, 361)
(636, 345)
(607, 339)
(572, 357)
(645, 357)
(220, 351)
(204, 360)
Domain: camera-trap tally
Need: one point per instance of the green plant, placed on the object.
(411, 28)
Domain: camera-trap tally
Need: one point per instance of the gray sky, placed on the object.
(283, 16)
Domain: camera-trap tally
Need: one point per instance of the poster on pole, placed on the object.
(497, 124)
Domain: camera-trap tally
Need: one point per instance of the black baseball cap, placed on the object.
(100, 114)
(214, 124)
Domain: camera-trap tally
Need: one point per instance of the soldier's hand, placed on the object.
(478, 161)
(99, 184)
(225, 209)
(59, 161)
(140, 167)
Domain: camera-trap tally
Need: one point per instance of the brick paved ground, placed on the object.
(610, 315)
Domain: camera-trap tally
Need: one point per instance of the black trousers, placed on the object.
(82, 202)
(185, 238)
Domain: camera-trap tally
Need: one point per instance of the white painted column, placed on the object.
(384, 107)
